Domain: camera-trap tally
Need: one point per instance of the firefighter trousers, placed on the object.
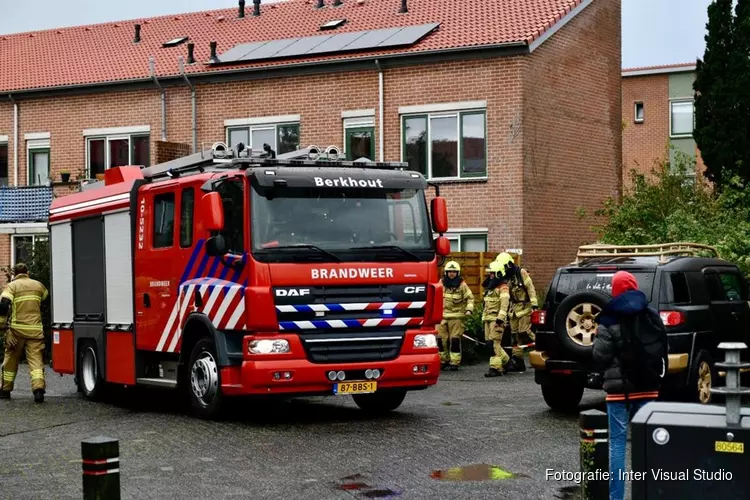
(521, 333)
(494, 332)
(450, 332)
(34, 349)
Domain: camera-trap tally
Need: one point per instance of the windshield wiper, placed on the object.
(390, 247)
(305, 245)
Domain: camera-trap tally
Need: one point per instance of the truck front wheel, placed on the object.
(379, 402)
(562, 396)
(203, 380)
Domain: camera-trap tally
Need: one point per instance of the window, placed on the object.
(163, 220)
(446, 146)
(283, 138)
(116, 151)
(38, 162)
(23, 247)
(359, 138)
(638, 112)
(681, 118)
(732, 286)
(3, 163)
(233, 200)
(674, 289)
(467, 242)
(187, 204)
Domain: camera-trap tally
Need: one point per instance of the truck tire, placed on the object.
(379, 402)
(90, 381)
(561, 396)
(703, 376)
(575, 322)
(204, 381)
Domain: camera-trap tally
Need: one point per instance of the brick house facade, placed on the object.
(658, 117)
(547, 111)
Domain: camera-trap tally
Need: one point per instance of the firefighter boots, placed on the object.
(39, 396)
(4, 394)
(493, 372)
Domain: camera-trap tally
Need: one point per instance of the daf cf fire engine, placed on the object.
(232, 273)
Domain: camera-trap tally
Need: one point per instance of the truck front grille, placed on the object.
(353, 347)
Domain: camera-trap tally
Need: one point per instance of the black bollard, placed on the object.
(101, 468)
(594, 449)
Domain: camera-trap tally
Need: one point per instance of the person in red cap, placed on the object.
(631, 348)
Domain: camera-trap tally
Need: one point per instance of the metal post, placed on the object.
(594, 452)
(733, 391)
(101, 468)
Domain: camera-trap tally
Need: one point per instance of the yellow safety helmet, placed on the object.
(497, 269)
(504, 259)
(452, 266)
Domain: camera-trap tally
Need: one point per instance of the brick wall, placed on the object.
(4, 256)
(645, 144)
(168, 151)
(572, 136)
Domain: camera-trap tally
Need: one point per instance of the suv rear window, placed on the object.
(598, 281)
(674, 289)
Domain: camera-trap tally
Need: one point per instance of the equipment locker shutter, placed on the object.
(88, 269)
(119, 267)
(62, 273)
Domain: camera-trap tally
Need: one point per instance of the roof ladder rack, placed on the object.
(661, 250)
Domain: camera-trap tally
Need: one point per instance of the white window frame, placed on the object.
(263, 123)
(459, 234)
(361, 121)
(113, 137)
(446, 111)
(677, 101)
(635, 112)
(33, 237)
(38, 141)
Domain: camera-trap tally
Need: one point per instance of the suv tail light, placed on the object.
(538, 317)
(672, 318)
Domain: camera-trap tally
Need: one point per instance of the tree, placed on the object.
(717, 130)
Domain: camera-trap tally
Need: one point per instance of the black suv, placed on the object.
(702, 302)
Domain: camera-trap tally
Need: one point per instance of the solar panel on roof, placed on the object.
(337, 43)
(372, 39)
(327, 44)
(408, 35)
(303, 45)
(268, 50)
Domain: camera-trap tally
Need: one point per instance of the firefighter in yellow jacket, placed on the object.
(495, 317)
(458, 303)
(523, 303)
(22, 299)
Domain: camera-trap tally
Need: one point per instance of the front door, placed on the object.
(156, 285)
(360, 143)
(729, 306)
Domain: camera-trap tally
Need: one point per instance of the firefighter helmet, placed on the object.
(497, 269)
(452, 266)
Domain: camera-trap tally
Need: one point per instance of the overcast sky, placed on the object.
(653, 31)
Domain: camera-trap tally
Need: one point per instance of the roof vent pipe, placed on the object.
(336, 3)
(256, 7)
(137, 33)
(242, 8)
(404, 9)
(213, 50)
(321, 4)
(191, 53)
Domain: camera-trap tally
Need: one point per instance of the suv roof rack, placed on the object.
(661, 250)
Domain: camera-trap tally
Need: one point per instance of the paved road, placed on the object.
(316, 448)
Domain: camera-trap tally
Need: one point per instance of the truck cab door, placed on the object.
(156, 285)
(729, 306)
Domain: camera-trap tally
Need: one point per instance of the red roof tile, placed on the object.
(106, 52)
(665, 67)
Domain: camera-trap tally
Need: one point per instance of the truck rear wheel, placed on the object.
(90, 382)
(562, 396)
(379, 402)
(204, 380)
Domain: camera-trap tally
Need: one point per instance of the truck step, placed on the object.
(157, 382)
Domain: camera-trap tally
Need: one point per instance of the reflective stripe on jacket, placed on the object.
(26, 296)
(456, 301)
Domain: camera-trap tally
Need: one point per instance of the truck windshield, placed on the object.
(340, 224)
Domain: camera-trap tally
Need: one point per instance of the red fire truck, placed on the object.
(231, 272)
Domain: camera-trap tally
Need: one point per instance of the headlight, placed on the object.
(268, 347)
(425, 341)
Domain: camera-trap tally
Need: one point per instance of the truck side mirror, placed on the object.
(212, 212)
(443, 246)
(216, 246)
(439, 212)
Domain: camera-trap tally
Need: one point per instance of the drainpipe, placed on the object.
(152, 71)
(15, 139)
(380, 110)
(192, 97)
